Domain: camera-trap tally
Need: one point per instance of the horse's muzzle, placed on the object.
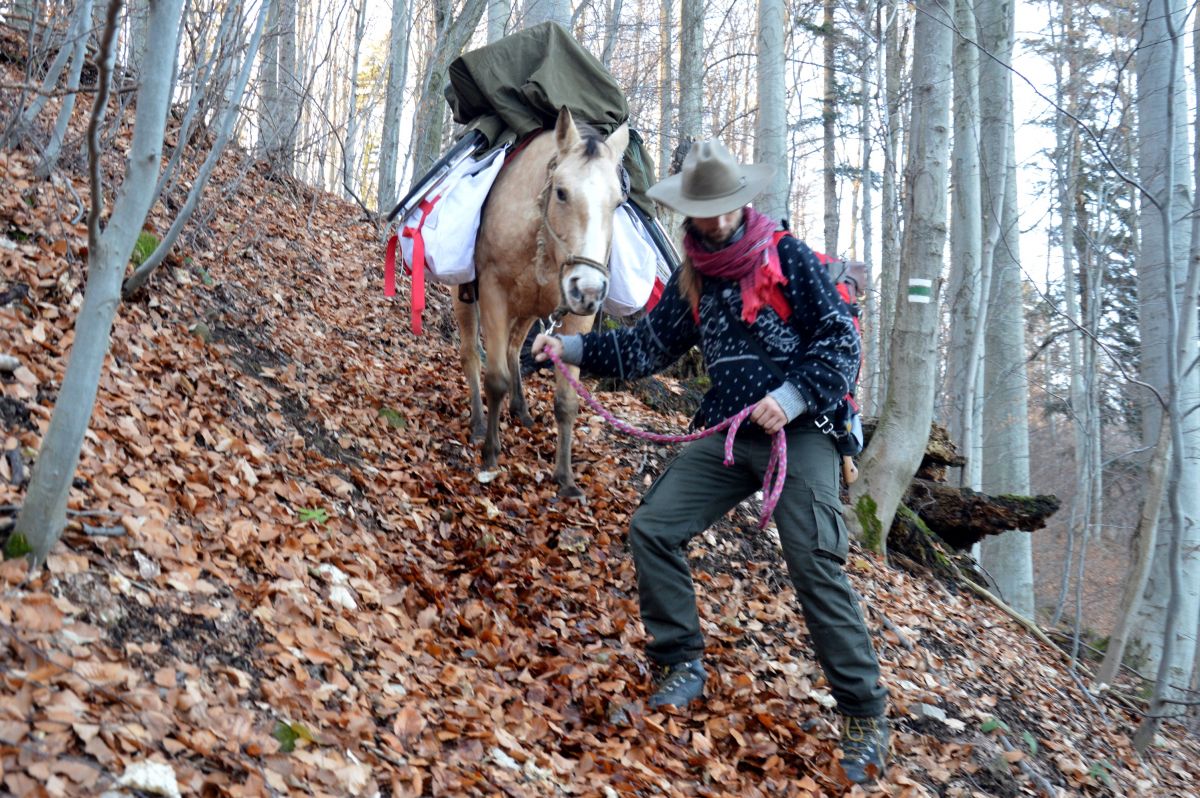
(585, 291)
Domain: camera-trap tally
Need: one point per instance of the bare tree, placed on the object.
(966, 242)
(499, 15)
(889, 463)
(895, 37)
(829, 117)
(453, 31)
(691, 69)
(77, 37)
(539, 11)
(769, 144)
(353, 114)
(869, 43)
(1008, 557)
(393, 103)
(612, 26)
(43, 515)
(223, 131)
(268, 81)
(666, 82)
(1172, 599)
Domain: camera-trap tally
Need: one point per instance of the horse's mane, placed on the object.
(591, 140)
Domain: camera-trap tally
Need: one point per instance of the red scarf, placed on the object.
(753, 260)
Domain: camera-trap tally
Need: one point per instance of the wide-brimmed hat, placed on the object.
(711, 182)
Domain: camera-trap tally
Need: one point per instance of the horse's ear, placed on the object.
(619, 140)
(565, 133)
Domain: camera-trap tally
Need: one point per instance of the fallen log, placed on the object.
(962, 517)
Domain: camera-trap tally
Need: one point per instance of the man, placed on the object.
(773, 330)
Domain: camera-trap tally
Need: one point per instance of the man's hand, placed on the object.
(768, 415)
(543, 344)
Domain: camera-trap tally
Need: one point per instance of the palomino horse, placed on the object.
(542, 249)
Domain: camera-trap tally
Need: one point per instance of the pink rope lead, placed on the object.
(776, 465)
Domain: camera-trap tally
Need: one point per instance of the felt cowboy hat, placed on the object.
(711, 182)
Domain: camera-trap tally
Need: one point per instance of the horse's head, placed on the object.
(582, 192)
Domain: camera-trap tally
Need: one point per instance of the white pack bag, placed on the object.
(633, 264)
(441, 231)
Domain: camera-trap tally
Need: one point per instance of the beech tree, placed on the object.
(43, 515)
(899, 442)
(393, 104)
(771, 139)
(691, 70)
(1168, 614)
(224, 129)
(966, 243)
(538, 11)
(454, 28)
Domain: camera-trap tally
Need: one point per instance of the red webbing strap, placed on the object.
(389, 267)
(417, 267)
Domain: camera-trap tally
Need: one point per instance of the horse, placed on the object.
(542, 249)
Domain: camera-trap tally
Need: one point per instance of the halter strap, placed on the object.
(572, 259)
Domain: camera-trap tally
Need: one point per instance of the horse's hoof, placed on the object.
(487, 475)
(478, 434)
(573, 493)
(525, 419)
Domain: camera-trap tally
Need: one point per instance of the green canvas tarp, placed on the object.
(515, 86)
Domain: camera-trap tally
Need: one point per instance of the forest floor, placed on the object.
(281, 575)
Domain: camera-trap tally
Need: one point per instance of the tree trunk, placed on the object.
(290, 90)
(268, 80)
(538, 11)
(962, 517)
(966, 237)
(666, 82)
(894, 454)
(393, 104)
(996, 38)
(499, 13)
(224, 131)
(138, 14)
(205, 82)
(80, 24)
(1005, 467)
(870, 330)
(350, 148)
(691, 70)
(1066, 167)
(889, 238)
(770, 143)
(43, 515)
(1142, 547)
(611, 28)
(453, 33)
(829, 130)
(1162, 167)
(77, 38)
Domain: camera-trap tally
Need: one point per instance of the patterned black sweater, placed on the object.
(817, 348)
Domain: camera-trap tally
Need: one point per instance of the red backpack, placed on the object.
(850, 278)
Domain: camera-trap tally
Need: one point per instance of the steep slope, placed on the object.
(282, 576)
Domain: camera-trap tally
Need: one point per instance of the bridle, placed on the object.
(572, 259)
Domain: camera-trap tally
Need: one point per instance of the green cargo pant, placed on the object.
(696, 490)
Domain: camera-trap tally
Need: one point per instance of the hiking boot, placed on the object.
(864, 748)
(679, 685)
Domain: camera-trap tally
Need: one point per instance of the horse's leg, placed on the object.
(467, 315)
(517, 406)
(566, 408)
(496, 383)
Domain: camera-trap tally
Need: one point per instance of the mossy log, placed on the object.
(933, 511)
(962, 517)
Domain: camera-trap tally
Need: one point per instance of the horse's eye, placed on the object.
(561, 193)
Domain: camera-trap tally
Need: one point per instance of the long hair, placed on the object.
(689, 278)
